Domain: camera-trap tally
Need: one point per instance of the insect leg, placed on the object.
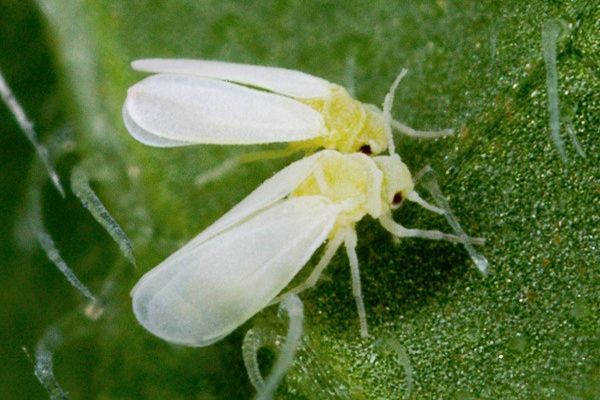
(313, 278)
(350, 244)
(408, 131)
(230, 164)
(430, 182)
(414, 197)
(398, 230)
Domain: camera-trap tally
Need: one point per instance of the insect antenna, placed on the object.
(415, 198)
(388, 102)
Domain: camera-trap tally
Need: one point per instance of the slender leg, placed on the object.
(215, 173)
(431, 184)
(350, 244)
(312, 280)
(267, 154)
(420, 173)
(415, 198)
(398, 230)
(408, 131)
(230, 164)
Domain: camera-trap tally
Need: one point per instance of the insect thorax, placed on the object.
(351, 180)
(350, 125)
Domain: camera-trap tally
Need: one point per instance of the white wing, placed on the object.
(279, 80)
(170, 110)
(148, 138)
(210, 289)
(270, 191)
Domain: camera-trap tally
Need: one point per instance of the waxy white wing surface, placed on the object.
(269, 192)
(205, 292)
(148, 138)
(279, 80)
(169, 109)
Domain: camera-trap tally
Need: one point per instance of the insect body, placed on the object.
(196, 101)
(238, 265)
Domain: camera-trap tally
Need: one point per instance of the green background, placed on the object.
(529, 330)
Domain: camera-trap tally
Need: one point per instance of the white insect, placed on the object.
(242, 262)
(196, 101)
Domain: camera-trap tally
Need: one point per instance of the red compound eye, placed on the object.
(366, 149)
(397, 198)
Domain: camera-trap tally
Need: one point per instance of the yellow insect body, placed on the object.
(198, 101)
(362, 184)
(242, 262)
(350, 126)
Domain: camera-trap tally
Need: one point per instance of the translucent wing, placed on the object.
(170, 110)
(147, 137)
(279, 80)
(270, 191)
(202, 293)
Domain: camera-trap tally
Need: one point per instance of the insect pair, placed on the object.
(242, 262)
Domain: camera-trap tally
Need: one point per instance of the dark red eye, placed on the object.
(397, 198)
(366, 149)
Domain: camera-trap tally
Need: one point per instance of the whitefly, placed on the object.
(244, 261)
(212, 102)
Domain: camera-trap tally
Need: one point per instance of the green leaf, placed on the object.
(530, 329)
